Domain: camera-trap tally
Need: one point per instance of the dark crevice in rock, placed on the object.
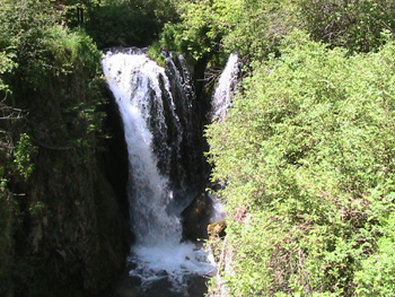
(115, 160)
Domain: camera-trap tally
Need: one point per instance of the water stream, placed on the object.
(154, 134)
(226, 88)
(157, 110)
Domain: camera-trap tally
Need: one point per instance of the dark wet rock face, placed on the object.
(188, 167)
(196, 218)
(77, 242)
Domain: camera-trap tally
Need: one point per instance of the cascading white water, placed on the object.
(221, 101)
(226, 88)
(139, 86)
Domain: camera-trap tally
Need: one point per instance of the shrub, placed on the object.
(377, 275)
(355, 24)
(307, 156)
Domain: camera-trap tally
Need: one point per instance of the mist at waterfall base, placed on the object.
(143, 93)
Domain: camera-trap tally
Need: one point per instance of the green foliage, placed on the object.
(107, 25)
(6, 66)
(21, 24)
(51, 92)
(256, 28)
(377, 275)
(23, 155)
(356, 25)
(3, 184)
(253, 28)
(59, 71)
(126, 23)
(307, 154)
(198, 33)
(154, 52)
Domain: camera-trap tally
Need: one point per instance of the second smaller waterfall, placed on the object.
(226, 88)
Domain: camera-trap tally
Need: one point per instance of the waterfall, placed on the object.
(221, 102)
(226, 88)
(154, 125)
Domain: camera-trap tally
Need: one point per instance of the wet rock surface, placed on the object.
(196, 218)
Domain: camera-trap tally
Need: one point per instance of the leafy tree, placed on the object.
(356, 25)
(127, 23)
(256, 28)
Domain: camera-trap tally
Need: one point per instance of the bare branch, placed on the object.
(11, 113)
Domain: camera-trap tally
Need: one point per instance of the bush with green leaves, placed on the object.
(356, 24)
(377, 275)
(199, 33)
(207, 28)
(23, 155)
(52, 69)
(307, 156)
(255, 28)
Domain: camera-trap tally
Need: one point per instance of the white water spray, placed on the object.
(139, 86)
(226, 88)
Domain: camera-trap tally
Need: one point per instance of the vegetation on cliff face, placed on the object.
(55, 202)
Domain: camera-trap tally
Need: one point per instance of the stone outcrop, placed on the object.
(74, 236)
(216, 230)
(196, 218)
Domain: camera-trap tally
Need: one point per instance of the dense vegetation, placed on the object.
(254, 28)
(137, 23)
(306, 153)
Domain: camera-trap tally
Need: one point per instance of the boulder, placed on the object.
(196, 218)
(216, 230)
